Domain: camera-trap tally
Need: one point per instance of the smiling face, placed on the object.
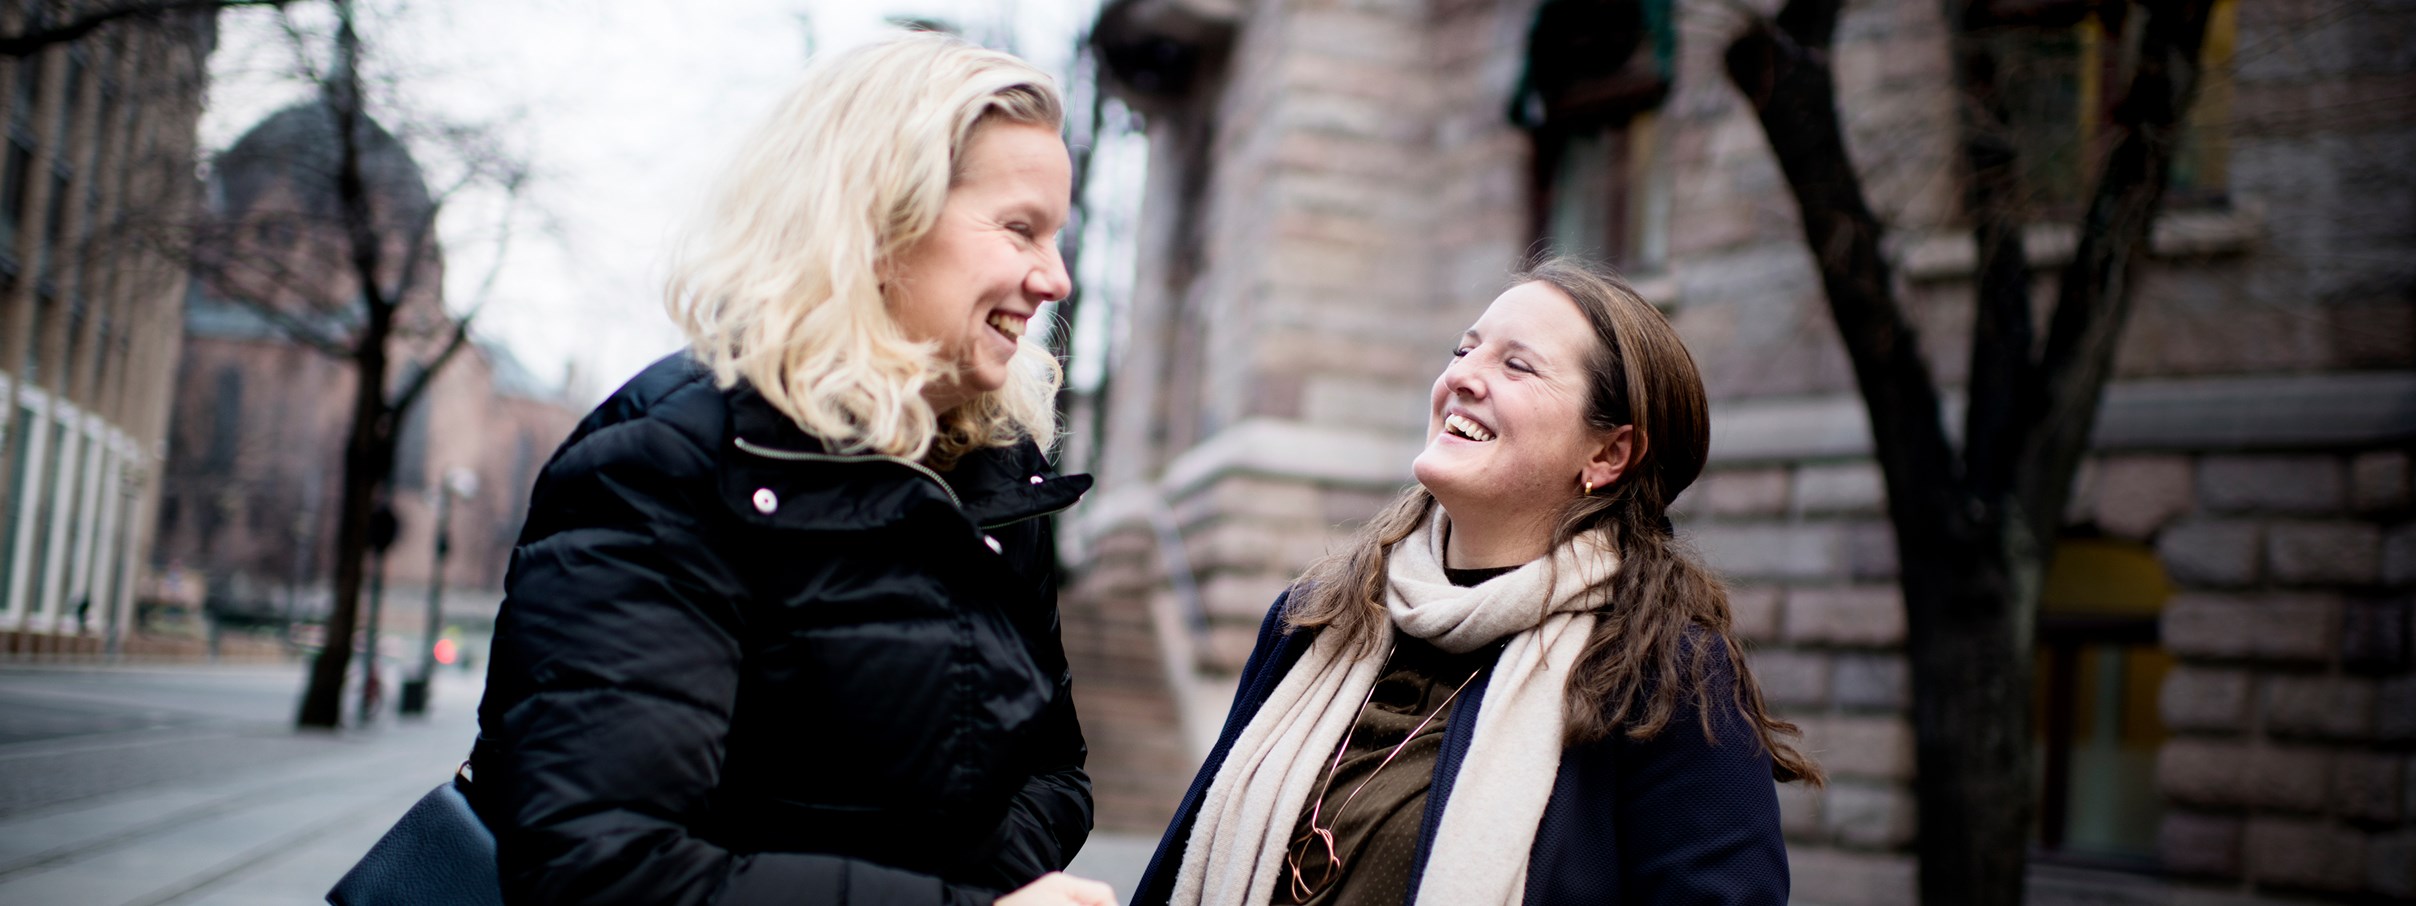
(1507, 441)
(972, 284)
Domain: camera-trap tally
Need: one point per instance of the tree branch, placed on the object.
(415, 250)
(503, 246)
(1787, 79)
(1811, 24)
(2002, 339)
(2093, 300)
(419, 382)
(295, 327)
(304, 67)
(210, 251)
(486, 288)
(35, 40)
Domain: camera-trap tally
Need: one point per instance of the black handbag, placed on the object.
(438, 853)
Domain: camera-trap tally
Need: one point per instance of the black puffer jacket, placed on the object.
(734, 668)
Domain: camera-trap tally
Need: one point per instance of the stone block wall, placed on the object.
(1154, 671)
(1140, 759)
(1360, 204)
(2291, 770)
(1810, 562)
(1363, 195)
(2293, 703)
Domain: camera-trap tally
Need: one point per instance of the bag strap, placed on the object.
(462, 776)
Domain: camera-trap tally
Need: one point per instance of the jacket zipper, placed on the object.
(793, 455)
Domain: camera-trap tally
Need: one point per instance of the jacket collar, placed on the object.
(993, 486)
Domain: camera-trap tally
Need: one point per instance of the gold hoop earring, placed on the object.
(1589, 486)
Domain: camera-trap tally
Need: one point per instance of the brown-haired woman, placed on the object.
(1512, 685)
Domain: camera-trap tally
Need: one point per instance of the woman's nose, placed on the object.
(1050, 281)
(1461, 379)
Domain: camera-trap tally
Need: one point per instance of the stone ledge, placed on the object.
(1950, 255)
(1287, 449)
(1270, 448)
(2280, 412)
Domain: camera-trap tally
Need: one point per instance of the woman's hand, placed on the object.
(1060, 889)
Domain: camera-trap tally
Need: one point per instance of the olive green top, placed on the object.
(1376, 834)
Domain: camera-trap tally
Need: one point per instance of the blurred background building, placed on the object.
(99, 145)
(172, 447)
(2225, 703)
(256, 445)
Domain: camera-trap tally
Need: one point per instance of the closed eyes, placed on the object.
(1518, 365)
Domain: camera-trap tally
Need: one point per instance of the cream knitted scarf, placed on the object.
(1235, 854)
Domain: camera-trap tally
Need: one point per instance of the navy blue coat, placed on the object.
(1673, 820)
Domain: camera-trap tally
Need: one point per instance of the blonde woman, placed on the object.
(1513, 685)
(782, 625)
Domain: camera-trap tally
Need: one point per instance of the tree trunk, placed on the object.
(1969, 595)
(1967, 650)
(369, 443)
(1973, 536)
(368, 458)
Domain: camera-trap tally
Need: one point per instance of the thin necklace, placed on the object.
(1306, 883)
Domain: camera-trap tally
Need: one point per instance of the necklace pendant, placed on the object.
(1312, 863)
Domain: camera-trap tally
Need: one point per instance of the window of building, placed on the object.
(74, 96)
(21, 434)
(63, 165)
(59, 593)
(55, 224)
(46, 312)
(411, 440)
(46, 495)
(1596, 73)
(78, 313)
(2063, 70)
(2100, 668)
(226, 422)
(106, 134)
(29, 88)
(16, 180)
(104, 348)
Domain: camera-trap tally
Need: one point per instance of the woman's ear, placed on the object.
(1611, 458)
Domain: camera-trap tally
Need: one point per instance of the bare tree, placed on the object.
(1975, 529)
(350, 272)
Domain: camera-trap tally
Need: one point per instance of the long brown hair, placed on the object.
(1641, 663)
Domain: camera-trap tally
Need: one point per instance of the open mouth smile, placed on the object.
(1008, 323)
(1462, 426)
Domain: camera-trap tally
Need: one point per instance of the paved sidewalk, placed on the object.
(211, 808)
(147, 786)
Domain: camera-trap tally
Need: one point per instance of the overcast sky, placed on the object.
(625, 109)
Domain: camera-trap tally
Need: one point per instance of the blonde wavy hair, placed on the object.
(779, 281)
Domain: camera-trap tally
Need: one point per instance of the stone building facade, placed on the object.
(255, 449)
(2225, 704)
(99, 140)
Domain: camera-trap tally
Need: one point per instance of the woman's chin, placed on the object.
(1437, 474)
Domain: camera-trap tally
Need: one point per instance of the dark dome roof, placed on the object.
(298, 144)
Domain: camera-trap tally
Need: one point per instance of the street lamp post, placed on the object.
(459, 483)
